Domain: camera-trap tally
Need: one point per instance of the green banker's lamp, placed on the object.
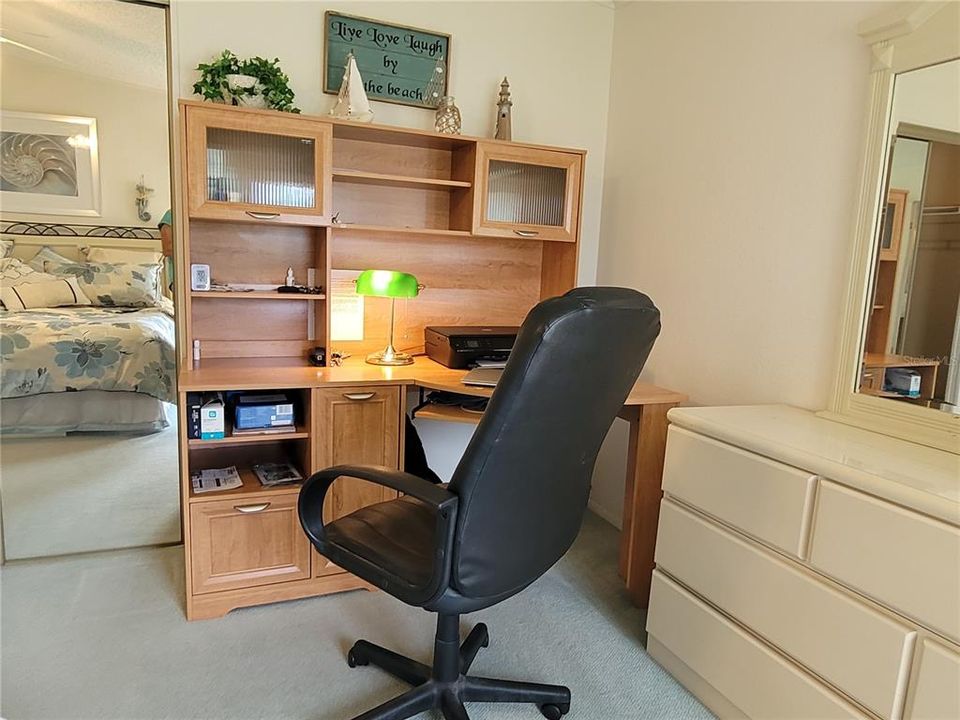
(391, 284)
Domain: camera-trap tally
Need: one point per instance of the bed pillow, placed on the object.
(6, 247)
(47, 254)
(118, 255)
(59, 292)
(114, 284)
(14, 271)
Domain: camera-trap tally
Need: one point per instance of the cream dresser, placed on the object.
(807, 569)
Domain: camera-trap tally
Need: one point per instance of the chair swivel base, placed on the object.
(446, 686)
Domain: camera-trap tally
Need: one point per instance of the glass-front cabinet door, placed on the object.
(257, 166)
(527, 192)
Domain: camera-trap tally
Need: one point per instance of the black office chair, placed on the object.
(513, 507)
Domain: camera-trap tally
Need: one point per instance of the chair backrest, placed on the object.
(524, 479)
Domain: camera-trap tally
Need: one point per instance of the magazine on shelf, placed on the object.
(216, 479)
(277, 473)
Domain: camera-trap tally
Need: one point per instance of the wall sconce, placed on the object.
(143, 199)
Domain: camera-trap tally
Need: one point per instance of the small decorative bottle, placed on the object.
(448, 117)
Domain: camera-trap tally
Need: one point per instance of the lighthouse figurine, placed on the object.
(503, 112)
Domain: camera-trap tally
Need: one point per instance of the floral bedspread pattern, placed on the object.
(87, 348)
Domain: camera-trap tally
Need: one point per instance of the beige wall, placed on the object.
(734, 145)
(556, 55)
(132, 131)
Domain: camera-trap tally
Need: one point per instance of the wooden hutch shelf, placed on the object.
(488, 227)
(352, 227)
(371, 178)
(301, 433)
(255, 295)
(250, 489)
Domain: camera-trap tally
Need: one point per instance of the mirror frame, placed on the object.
(908, 37)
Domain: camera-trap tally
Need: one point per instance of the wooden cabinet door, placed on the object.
(237, 543)
(358, 426)
(527, 192)
(891, 229)
(257, 167)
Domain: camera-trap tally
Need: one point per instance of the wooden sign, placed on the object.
(396, 62)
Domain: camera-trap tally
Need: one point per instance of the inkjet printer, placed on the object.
(460, 347)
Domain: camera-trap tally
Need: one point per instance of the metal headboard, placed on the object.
(62, 230)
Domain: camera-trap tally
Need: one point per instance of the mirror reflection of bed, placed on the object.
(912, 341)
(87, 333)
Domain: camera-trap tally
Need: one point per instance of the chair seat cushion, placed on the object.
(397, 535)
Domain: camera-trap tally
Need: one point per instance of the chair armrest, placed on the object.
(315, 489)
(441, 501)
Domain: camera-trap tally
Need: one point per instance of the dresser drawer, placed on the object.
(898, 557)
(237, 543)
(765, 499)
(757, 680)
(856, 648)
(935, 691)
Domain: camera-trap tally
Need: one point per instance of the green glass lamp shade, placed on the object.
(387, 283)
(392, 284)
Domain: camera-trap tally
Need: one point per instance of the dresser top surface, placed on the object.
(924, 479)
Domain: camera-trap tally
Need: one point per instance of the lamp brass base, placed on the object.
(389, 358)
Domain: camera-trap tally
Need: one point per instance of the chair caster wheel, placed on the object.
(554, 712)
(354, 660)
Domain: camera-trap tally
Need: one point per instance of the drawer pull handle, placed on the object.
(259, 507)
(262, 215)
(526, 233)
(359, 396)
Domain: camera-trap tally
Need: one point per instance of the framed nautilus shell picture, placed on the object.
(48, 164)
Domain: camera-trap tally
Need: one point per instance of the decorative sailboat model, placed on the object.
(352, 102)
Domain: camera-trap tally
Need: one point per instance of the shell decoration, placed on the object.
(26, 158)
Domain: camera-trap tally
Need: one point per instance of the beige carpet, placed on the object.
(84, 492)
(104, 636)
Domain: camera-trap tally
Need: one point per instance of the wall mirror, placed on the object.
(912, 341)
(88, 425)
(899, 370)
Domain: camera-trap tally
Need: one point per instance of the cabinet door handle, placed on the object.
(359, 396)
(526, 233)
(262, 215)
(259, 507)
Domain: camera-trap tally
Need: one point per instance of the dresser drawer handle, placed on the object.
(259, 507)
(262, 215)
(359, 396)
(526, 233)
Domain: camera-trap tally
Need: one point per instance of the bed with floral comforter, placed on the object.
(88, 348)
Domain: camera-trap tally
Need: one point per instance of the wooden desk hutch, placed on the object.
(488, 227)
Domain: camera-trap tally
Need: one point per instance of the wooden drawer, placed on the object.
(765, 499)
(754, 678)
(237, 544)
(856, 648)
(898, 557)
(935, 690)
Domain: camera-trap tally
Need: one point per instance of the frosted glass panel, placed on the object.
(525, 194)
(261, 169)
